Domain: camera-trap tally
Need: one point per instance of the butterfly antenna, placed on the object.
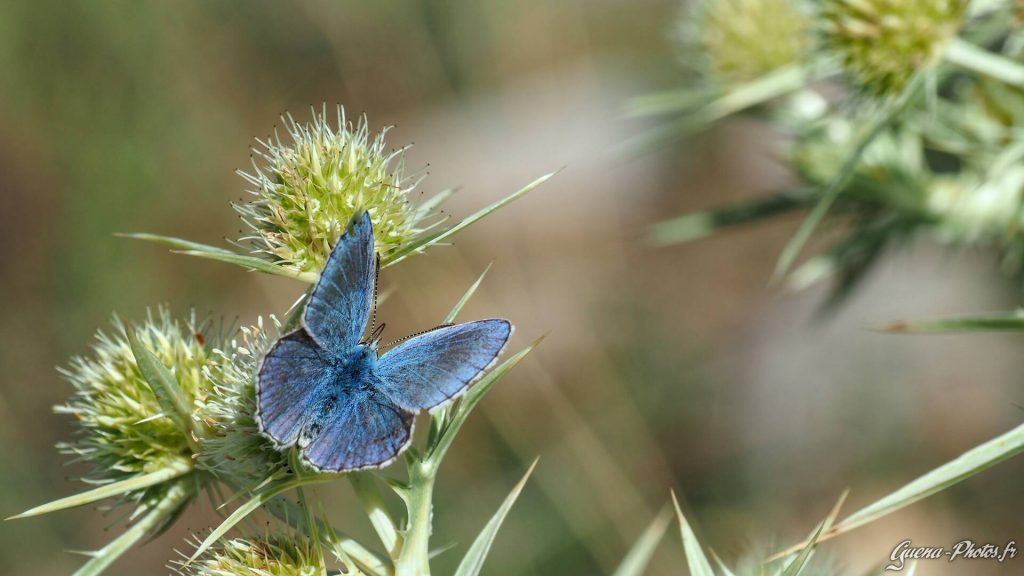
(404, 338)
(375, 335)
(373, 317)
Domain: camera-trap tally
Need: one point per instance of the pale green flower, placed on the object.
(309, 186)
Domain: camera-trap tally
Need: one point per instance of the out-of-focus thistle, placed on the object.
(308, 187)
(742, 40)
(924, 134)
(882, 44)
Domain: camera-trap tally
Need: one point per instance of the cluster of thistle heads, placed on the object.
(899, 117)
(165, 406)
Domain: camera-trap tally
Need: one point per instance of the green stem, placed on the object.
(414, 559)
(976, 59)
(177, 495)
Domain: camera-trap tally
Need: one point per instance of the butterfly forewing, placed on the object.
(340, 305)
(294, 370)
(424, 371)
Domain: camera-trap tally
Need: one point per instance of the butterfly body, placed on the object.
(324, 390)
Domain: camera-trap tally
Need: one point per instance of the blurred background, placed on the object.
(676, 368)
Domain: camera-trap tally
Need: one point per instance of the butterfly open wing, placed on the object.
(292, 372)
(425, 371)
(340, 304)
(366, 430)
(313, 390)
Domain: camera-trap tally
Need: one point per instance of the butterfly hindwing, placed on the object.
(340, 304)
(365, 430)
(426, 370)
(294, 370)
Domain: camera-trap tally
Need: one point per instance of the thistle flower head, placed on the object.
(234, 449)
(122, 431)
(274, 556)
(883, 43)
(308, 188)
(743, 40)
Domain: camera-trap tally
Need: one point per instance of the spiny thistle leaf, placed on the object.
(737, 99)
(800, 562)
(466, 296)
(721, 565)
(427, 240)
(968, 464)
(639, 556)
(190, 248)
(399, 253)
(695, 558)
(166, 389)
(473, 561)
(439, 419)
(156, 515)
(135, 483)
(1012, 322)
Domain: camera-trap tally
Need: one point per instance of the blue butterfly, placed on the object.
(323, 387)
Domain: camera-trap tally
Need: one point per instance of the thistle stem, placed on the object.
(414, 559)
(976, 59)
